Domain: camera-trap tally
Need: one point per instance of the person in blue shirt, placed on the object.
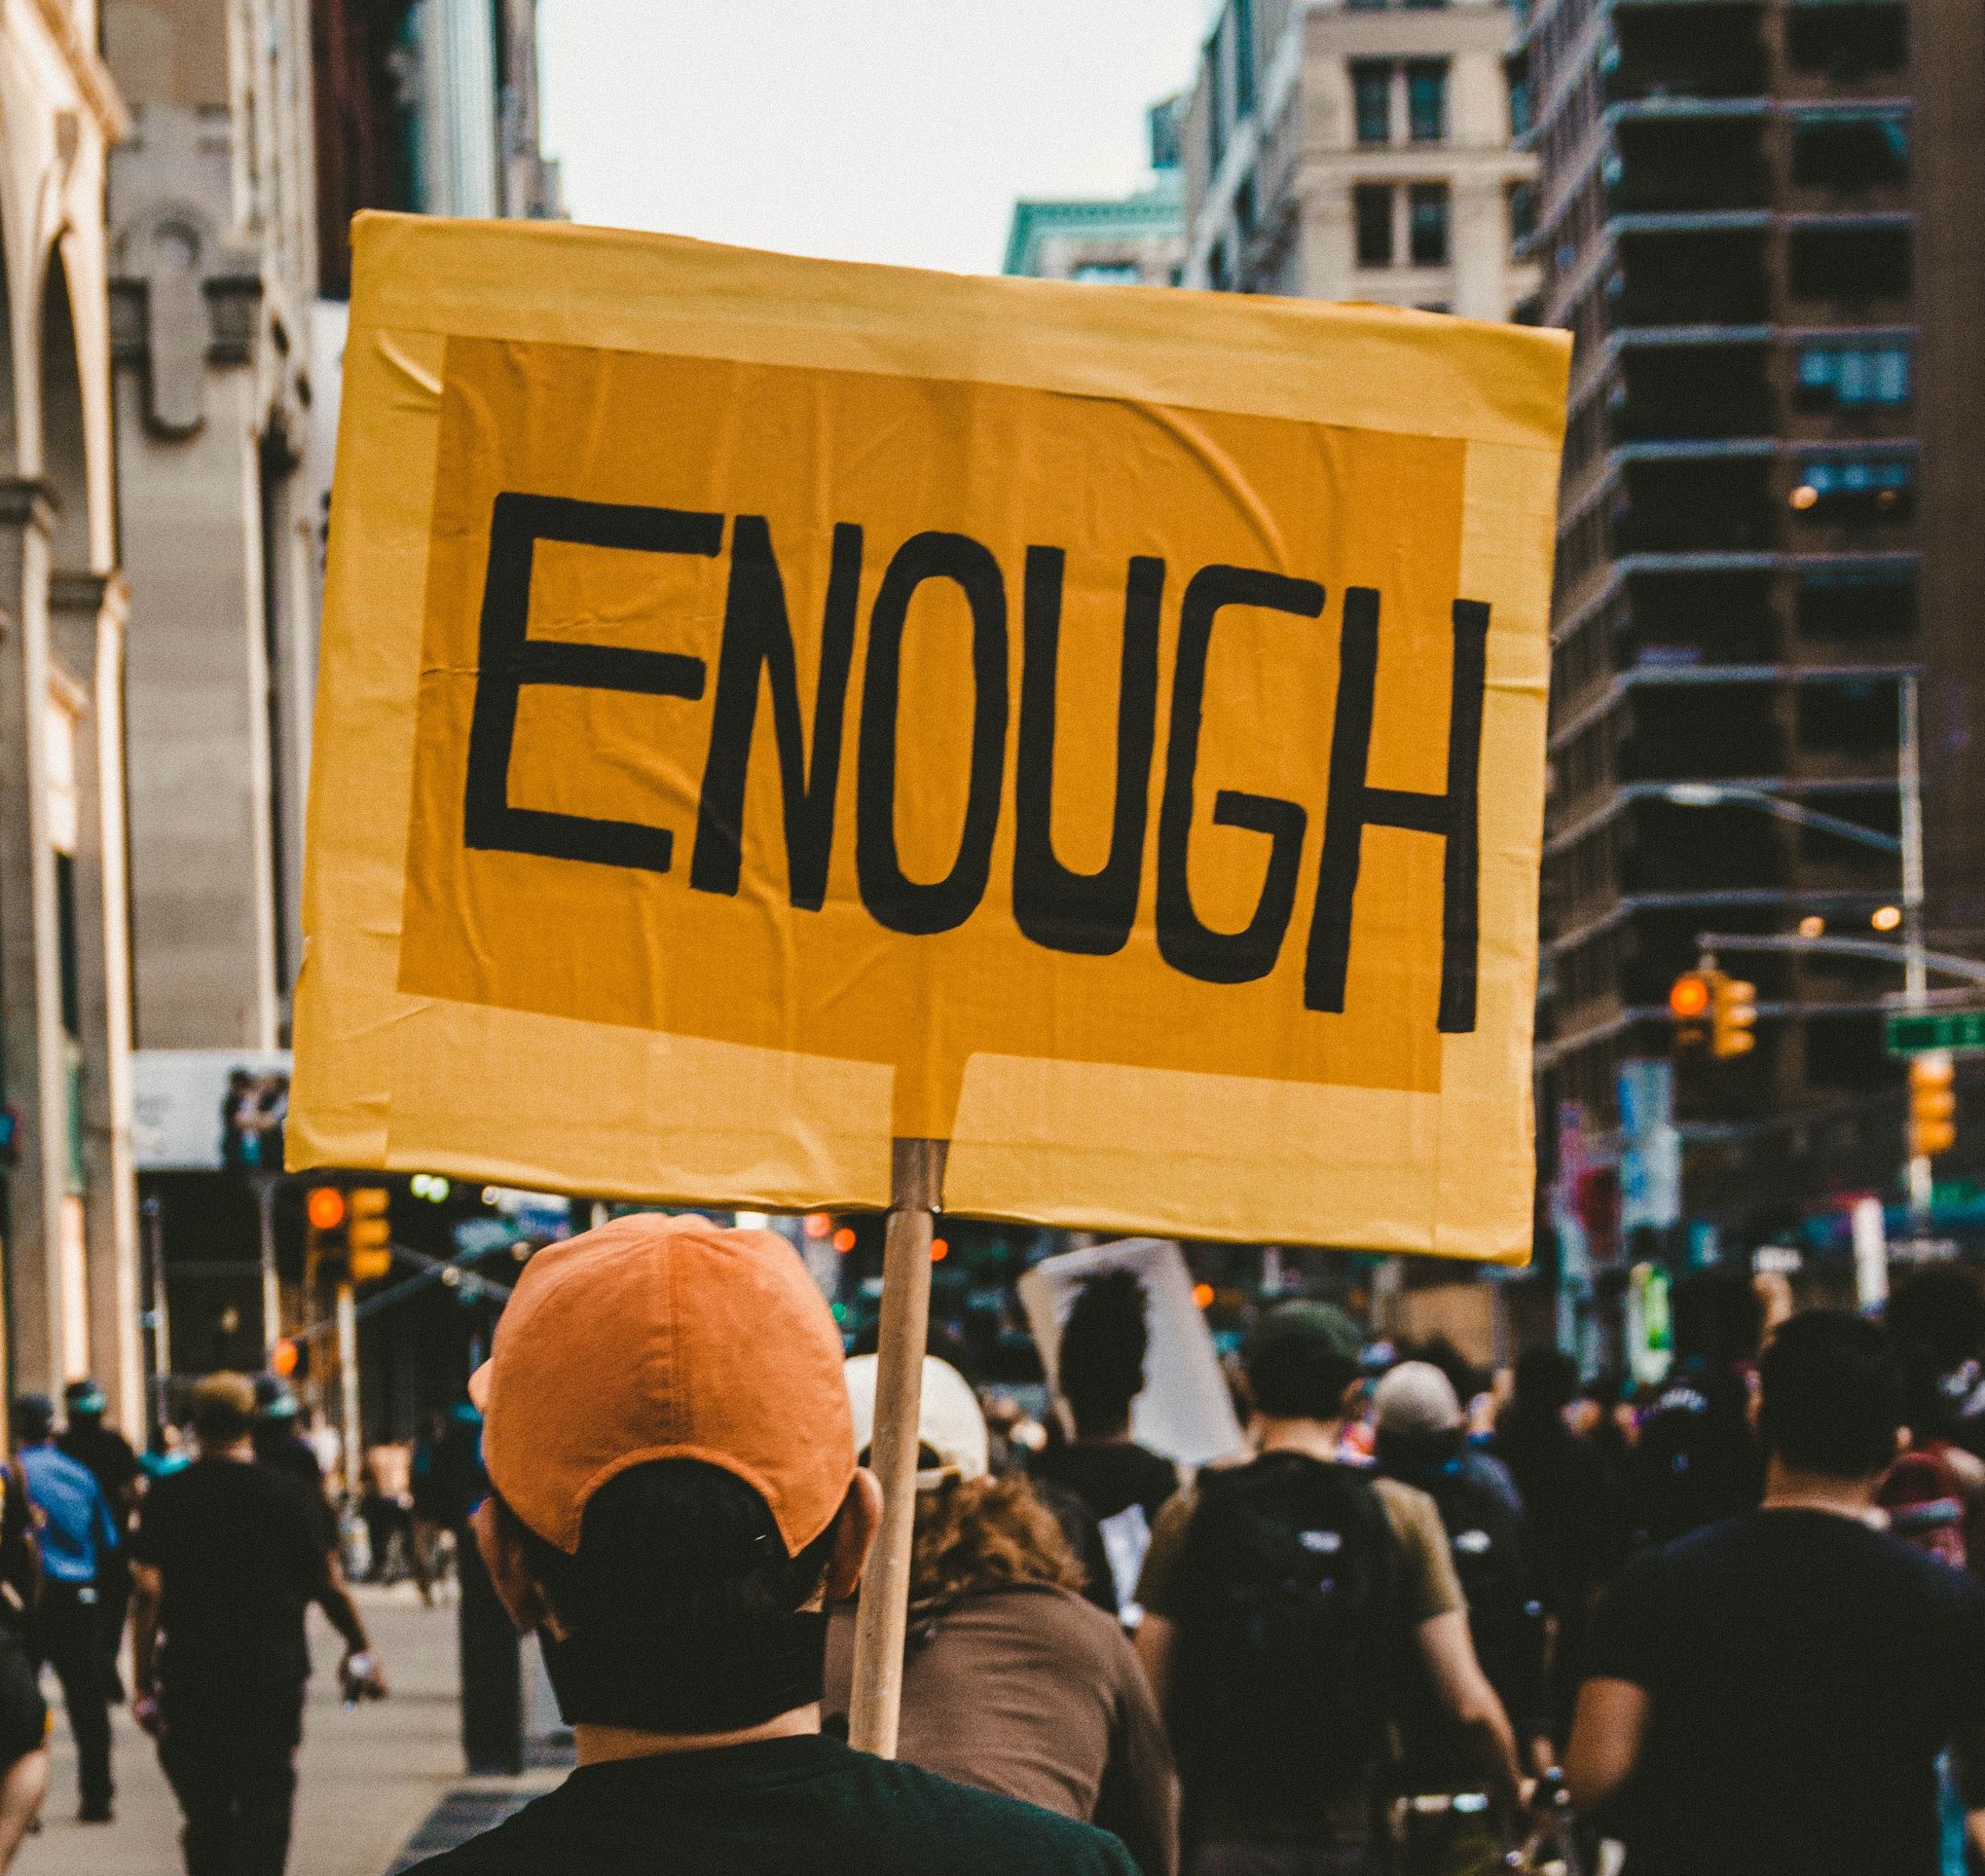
(79, 1541)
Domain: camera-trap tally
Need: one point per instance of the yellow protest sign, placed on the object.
(769, 707)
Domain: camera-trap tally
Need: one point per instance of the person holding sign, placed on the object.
(677, 1498)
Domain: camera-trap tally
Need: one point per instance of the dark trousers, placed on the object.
(235, 1776)
(68, 1635)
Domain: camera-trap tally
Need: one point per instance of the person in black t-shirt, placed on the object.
(670, 1439)
(228, 1555)
(1769, 1696)
(1099, 1374)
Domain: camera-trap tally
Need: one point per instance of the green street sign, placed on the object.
(1961, 1031)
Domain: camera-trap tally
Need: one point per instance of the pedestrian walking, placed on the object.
(228, 1556)
(278, 1443)
(1769, 1696)
(1014, 1681)
(1285, 1602)
(113, 1463)
(1574, 1503)
(1099, 1374)
(23, 1713)
(676, 1499)
(1422, 1441)
(77, 1536)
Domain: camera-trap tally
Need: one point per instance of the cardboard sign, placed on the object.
(770, 707)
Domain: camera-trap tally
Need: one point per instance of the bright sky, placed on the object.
(858, 130)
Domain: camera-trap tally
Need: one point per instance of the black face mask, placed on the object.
(712, 1682)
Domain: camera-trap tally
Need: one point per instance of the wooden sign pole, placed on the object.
(881, 1620)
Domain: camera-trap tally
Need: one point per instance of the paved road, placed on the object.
(370, 1779)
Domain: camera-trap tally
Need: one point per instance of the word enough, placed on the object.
(1090, 913)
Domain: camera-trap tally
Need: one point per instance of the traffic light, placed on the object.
(1689, 1002)
(1932, 1105)
(368, 1234)
(1733, 1014)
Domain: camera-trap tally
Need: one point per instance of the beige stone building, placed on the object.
(213, 236)
(1356, 150)
(69, 1223)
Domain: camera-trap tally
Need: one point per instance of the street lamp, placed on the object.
(1719, 794)
(1906, 845)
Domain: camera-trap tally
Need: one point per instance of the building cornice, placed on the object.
(86, 68)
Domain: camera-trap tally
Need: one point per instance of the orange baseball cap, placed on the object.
(657, 1337)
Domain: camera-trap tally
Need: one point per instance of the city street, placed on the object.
(369, 1781)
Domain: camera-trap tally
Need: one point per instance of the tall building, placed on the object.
(1726, 219)
(1136, 240)
(1356, 150)
(1947, 59)
(258, 126)
(69, 1225)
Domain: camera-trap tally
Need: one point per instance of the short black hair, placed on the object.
(1104, 1342)
(1546, 1382)
(680, 1602)
(1832, 1399)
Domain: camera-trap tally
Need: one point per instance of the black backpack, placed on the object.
(1289, 1618)
(1496, 1562)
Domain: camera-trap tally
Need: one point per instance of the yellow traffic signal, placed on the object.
(1932, 1105)
(368, 1234)
(1733, 1014)
(1689, 1002)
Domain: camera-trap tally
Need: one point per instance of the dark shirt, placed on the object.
(110, 1458)
(785, 1807)
(296, 1459)
(1803, 1674)
(240, 1548)
(1111, 1478)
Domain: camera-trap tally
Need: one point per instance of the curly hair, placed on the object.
(985, 1534)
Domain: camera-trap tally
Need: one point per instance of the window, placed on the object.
(1426, 99)
(1243, 58)
(1371, 204)
(1427, 223)
(1849, 150)
(1852, 377)
(1855, 489)
(1521, 198)
(1111, 272)
(1372, 98)
(1521, 120)
(1855, 603)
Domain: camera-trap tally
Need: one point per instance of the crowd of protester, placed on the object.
(1427, 1621)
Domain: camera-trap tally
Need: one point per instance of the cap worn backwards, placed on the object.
(660, 1338)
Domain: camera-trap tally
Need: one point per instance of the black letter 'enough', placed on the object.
(758, 637)
(1183, 941)
(509, 659)
(1091, 913)
(893, 899)
(1355, 805)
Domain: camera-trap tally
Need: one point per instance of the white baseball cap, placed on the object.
(1416, 1401)
(950, 1428)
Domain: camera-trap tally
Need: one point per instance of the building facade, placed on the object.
(1130, 240)
(257, 129)
(69, 1222)
(1353, 150)
(1725, 218)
